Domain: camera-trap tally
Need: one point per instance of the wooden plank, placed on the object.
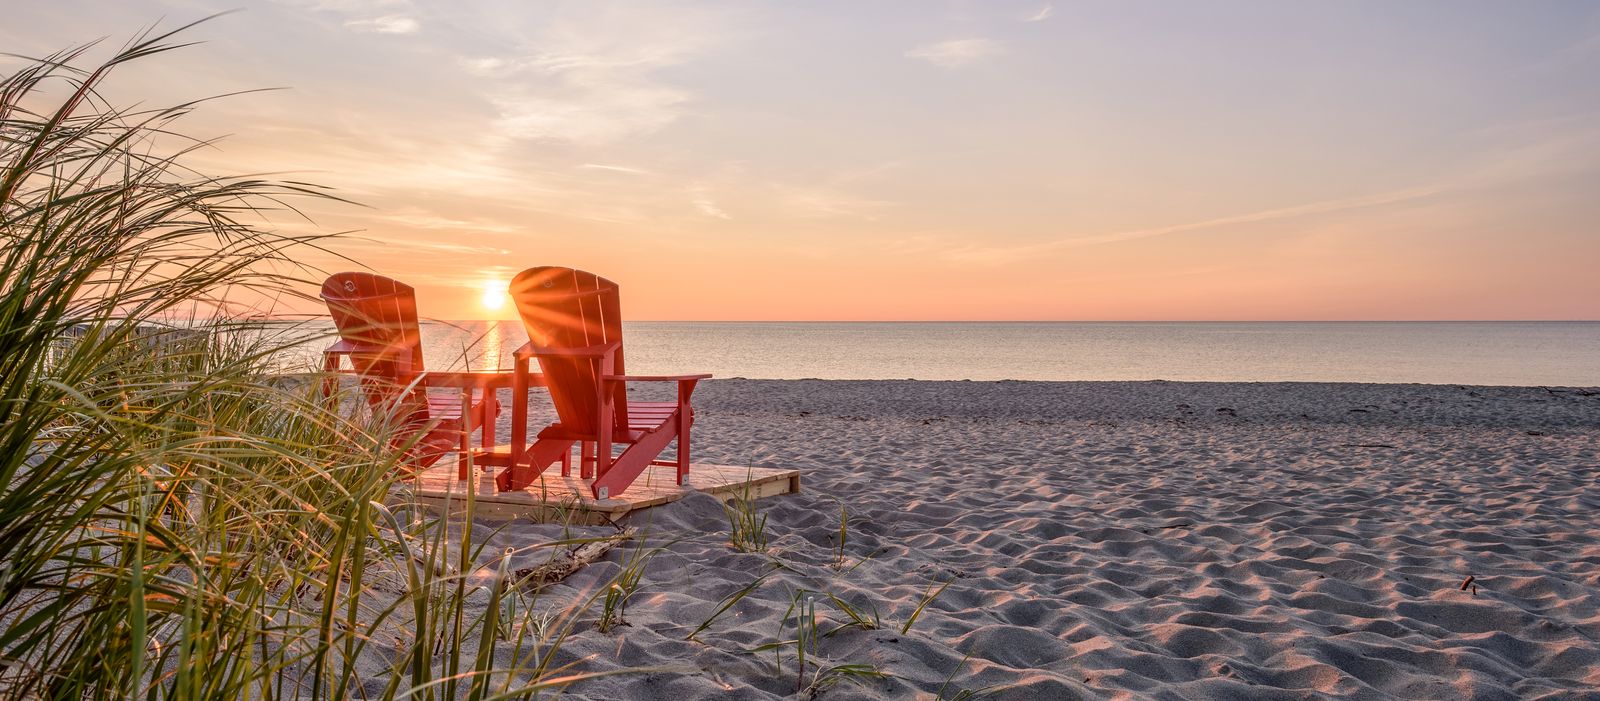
(554, 497)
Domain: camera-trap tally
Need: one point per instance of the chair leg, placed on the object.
(464, 444)
(683, 446)
(633, 461)
(542, 454)
(490, 414)
(330, 382)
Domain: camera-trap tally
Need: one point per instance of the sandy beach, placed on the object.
(1133, 540)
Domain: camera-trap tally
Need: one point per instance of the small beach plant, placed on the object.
(948, 693)
(928, 596)
(859, 617)
(802, 617)
(729, 601)
(747, 526)
(622, 588)
(844, 536)
(826, 678)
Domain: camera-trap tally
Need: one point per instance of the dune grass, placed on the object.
(747, 526)
(176, 520)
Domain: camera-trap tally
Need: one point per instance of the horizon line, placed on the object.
(1087, 321)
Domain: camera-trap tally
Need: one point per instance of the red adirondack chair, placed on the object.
(574, 325)
(379, 333)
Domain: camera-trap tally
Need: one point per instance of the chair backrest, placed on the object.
(562, 308)
(378, 316)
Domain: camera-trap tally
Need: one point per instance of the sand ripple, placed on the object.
(1135, 540)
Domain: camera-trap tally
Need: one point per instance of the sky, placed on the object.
(918, 160)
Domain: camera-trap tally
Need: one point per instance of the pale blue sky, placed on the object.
(956, 160)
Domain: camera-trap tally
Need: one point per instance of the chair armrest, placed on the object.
(467, 380)
(399, 355)
(656, 378)
(346, 347)
(686, 383)
(528, 350)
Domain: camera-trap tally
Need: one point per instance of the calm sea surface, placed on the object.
(1485, 353)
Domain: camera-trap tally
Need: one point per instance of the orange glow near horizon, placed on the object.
(974, 161)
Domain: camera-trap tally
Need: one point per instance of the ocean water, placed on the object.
(1480, 353)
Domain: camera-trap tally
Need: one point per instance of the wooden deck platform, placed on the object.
(556, 497)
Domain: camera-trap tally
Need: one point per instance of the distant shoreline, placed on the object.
(1189, 403)
(1557, 388)
(1505, 354)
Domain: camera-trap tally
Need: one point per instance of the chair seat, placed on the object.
(643, 418)
(445, 437)
(447, 406)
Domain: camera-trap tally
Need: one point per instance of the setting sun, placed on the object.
(494, 295)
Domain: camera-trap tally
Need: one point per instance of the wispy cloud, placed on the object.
(366, 16)
(593, 76)
(391, 244)
(827, 203)
(1042, 15)
(1006, 254)
(581, 57)
(421, 220)
(388, 24)
(348, 6)
(473, 277)
(615, 169)
(592, 114)
(588, 100)
(955, 52)
(485, 65)
(710, 208)
(1323, 207)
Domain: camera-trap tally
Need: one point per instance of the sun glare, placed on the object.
(494, 295)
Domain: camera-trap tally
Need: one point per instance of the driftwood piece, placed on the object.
(569, 561)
